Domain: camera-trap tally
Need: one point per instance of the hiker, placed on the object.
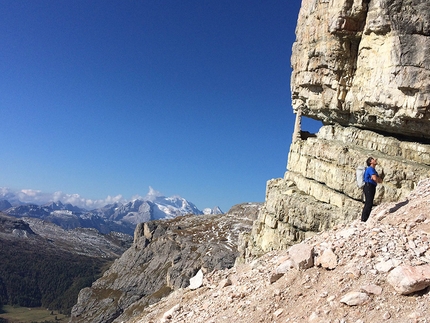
(371, 179)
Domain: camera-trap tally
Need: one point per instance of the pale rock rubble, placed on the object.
(359, 272)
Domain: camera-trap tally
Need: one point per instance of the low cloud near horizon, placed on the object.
(40, 198)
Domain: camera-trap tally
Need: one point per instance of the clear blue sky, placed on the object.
(107, 98)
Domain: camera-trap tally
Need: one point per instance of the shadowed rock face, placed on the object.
(364, 64)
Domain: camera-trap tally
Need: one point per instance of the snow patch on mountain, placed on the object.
(117, 216)
(215, 210)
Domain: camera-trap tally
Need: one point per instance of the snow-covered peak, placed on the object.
(172, 206)
(118, 215)
(215, 210)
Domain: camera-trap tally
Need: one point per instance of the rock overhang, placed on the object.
(364, 64)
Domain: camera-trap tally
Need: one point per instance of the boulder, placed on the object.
(196, 281)
(302, 255)
(327, 260)
(408, 279)
(354, 298)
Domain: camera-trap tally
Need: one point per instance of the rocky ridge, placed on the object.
(46, 235)
(83, 241)
(43, 265)
(164, 256)
(357, 272)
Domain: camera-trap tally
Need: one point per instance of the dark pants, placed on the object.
(369, 195)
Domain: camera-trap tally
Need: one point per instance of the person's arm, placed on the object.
(376, 178)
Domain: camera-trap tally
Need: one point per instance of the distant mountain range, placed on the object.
(120, 217)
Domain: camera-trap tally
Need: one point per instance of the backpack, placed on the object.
(359, 173)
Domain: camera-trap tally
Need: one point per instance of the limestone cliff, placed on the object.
(364, 63)
(362, 68)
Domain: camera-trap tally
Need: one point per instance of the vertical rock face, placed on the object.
(363, 69)
(319, 189)
(364, 63)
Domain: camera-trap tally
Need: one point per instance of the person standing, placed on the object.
(371, 179)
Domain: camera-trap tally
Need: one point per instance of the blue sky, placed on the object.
(103, 99)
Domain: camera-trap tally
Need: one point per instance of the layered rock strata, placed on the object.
(319, 189)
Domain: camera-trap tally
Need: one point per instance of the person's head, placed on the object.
(371, 161)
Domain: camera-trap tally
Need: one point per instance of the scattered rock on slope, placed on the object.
(164, 256)
(356, 288)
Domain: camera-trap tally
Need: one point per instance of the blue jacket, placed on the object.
(368, 175)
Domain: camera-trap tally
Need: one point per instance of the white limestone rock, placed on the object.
(408, 279)
(327, 260)
(196, 281)
(302, 255)
(354, 298)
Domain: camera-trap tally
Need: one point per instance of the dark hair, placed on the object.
(369, 160)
